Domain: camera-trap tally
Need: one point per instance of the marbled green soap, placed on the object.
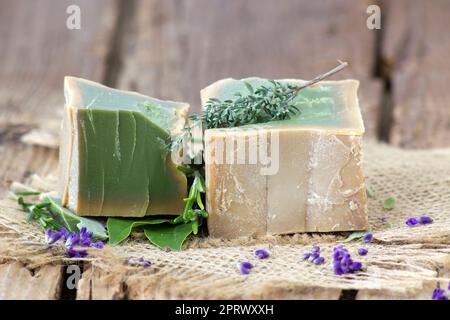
(325, 105)
(114, 159)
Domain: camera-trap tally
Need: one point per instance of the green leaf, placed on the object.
(370, 192)
(353, 236)
(27, 193)
(73, 222)
(120, 228)
(168, 235)
(249, 87)
(185, 170)
(389, 203)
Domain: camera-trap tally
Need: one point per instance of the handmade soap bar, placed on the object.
(114, 159)
(305, 175)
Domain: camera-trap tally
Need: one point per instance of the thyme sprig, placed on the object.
(260, 105)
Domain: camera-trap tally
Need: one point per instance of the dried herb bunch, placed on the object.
(262, 104)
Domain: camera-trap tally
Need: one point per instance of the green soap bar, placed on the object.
(114, 159)
(327, 105)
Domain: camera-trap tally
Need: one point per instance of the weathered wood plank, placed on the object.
(96, 284)
(38, 50)
(20, 161)
(17, 282)
(173, 48)
(416, 53)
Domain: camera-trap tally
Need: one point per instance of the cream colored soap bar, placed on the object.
(310, 179)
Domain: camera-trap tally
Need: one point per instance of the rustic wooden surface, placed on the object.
(171, 49)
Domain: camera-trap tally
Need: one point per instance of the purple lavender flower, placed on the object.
(244, 267)
(367, 237)
(315, 249)
(319, 260)
(313, 256)
(72, 253)
(362, 251)
(72, 240)
(412, 222)
(83, 232)
(140, 262)
(355, 266)
(51, 237)
(425, 220)
(262, 253)
(85, 237)
(439, 294)
(306, 256)
(97, 244)
(343, 263)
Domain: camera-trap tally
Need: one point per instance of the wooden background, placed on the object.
(171, 49)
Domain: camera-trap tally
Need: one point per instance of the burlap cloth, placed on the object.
(401, 259)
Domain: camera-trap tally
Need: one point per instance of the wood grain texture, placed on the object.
(96, 284)
(416, 51)
(17, 282)
(38, 50)
(172, 49)
(19, 161)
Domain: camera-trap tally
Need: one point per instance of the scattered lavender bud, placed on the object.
(315, 249)
(63, 232)
(313, 257)
(362, 251)
(368, 237)
(72, 253)
(262, 253)
(343, 263)
(412, 222)
(146, 264)
(85, 237)
(319, 260)
(355, 266)
(338, 271)
(425, 220)
(139, 262)
(72, 240)
(439, 294)
(448, 286)
(51, 237)
(98, 244)
(306, 256)
(244, 267)
(84, 243)
(83, 232)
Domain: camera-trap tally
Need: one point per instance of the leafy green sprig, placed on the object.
(194, 209)
(261, 105)
(39, 212)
